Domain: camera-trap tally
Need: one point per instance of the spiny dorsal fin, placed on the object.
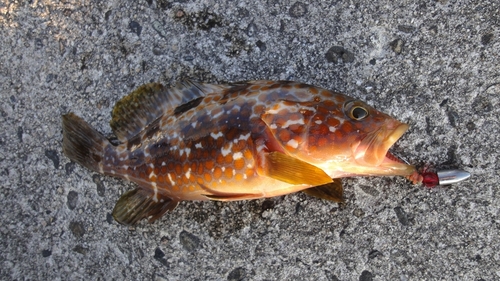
(149, 102)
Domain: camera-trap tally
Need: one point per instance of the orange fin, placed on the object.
(213, 194)
(292, 170)
(138, 204)
(331, 191)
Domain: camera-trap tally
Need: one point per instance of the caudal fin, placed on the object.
(82, 143)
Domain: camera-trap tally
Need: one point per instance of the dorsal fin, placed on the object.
(149, 102)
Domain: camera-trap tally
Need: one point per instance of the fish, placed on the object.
(235, 141)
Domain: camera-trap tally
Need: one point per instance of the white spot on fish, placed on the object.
(135, 146)
(293, 122)
(332, 129)
(244, 137)
(292, 143)
(198, 145)
(170, 179)
(216, 136)
(237, 155)
(188, 151)
(226, 151)
(318, 122)
(275, 110)
(163, 163)
(155, 188)
(261, 147)
(273, 126)
(218, 114)
(188, 173)
(194, 124)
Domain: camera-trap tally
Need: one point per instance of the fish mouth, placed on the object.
(372, 152)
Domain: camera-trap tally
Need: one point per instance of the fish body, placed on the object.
(237, 141)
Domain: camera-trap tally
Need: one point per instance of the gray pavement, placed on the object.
(434, 65)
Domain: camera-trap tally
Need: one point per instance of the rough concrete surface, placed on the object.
(434, 65)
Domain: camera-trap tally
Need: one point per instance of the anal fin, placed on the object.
(137, 204)
(294, 171)
(331, 191)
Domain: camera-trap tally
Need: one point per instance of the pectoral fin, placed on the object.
(138, 204)
(331, 191)
(292, 170)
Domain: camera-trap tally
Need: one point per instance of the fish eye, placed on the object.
(356, 110)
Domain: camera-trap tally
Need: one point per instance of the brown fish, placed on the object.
(237, 141)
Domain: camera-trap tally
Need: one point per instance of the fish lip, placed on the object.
(397, 166)
(393, 137)
(373, 150)
(370, 153)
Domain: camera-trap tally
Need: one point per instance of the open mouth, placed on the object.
(373, 151)
(391, 139)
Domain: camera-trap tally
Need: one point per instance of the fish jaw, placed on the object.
(371, 153)
(387, 168)
(372, 149)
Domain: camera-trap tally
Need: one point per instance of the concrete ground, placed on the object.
(434, 65)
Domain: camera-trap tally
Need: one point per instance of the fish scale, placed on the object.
(237, 141)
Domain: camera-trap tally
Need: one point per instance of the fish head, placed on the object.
(367, 135)
(341, 135)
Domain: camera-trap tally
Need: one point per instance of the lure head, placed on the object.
(341, 135)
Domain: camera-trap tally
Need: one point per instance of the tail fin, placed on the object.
(82, 143)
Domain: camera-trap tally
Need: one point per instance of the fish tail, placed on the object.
(82, 143)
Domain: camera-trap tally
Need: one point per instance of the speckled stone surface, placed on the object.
(434, 65)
